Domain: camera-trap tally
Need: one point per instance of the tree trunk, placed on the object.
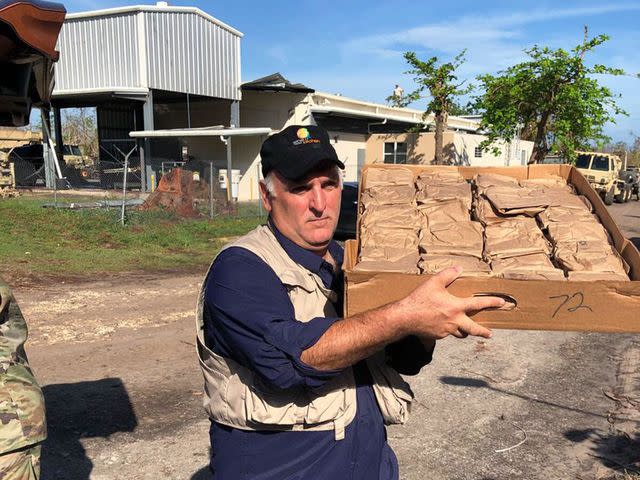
(441, 123)
(540, 148)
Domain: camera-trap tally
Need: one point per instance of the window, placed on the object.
(600, 163)
(583, 161)
(523, 157)
(395, 152)
(477, 152)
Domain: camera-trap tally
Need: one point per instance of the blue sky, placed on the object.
(355, 47)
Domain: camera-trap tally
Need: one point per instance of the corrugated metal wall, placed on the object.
(187, 53)
(98, 52)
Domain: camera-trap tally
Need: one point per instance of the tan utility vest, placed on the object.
(236, 397)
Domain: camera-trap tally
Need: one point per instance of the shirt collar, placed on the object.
(309, 260)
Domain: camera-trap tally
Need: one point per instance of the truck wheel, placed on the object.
(619, 198)
(608, 198)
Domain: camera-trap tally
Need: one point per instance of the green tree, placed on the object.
(79, 128)
(552, 99)
(437, 83)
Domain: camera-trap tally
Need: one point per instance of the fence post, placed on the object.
(124, 179)
(211, 190)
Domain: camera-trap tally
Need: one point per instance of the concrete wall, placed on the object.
(275, 110)
(420, 147)
(459, 149)
(278, 110)
(347, 146)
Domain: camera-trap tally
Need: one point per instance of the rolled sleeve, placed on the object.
(250, 319)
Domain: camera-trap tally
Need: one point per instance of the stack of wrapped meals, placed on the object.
(493, 226)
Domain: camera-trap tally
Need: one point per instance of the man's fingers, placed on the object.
(470, 327)
(447, 276)
(475, 304)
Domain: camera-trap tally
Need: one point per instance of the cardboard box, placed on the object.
(590, 306)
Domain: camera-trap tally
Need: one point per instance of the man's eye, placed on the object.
(299, 190)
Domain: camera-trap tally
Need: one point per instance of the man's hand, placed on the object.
(429, 312)
(432, 312)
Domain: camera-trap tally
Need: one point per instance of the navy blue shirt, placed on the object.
(249, 318)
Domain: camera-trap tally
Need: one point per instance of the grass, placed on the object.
(56, 242)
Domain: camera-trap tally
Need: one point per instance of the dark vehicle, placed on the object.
(348, 212)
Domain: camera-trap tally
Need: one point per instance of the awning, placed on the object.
(217, 131)
(412, 119)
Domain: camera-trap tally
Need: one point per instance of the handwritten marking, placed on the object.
(566, 299)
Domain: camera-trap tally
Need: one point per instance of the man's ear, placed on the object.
(265, 196)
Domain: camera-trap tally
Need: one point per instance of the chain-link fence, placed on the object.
(200, 192)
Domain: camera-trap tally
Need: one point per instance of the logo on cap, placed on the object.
(304, 136)
(303, 133)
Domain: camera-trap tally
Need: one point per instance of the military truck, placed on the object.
(603, 171)
(10, 138)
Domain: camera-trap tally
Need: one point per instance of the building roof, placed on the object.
(142, 48)
(276, 82)
(152, 8)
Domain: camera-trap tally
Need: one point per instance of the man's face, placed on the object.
(305, 211)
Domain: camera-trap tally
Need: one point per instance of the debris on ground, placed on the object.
(8, 192)
(180, 193)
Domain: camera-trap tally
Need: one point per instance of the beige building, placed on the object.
(459, 149)
(361, 132)
(276, 103)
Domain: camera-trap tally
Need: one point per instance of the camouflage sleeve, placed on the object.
(22, 417)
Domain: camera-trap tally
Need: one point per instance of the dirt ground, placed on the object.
(116, 360)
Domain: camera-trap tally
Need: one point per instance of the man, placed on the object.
(22, 422)
(292, 390)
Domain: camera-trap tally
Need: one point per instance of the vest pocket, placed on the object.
(393, 394)
(326, 408)
(274, 408)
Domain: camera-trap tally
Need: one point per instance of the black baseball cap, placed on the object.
(297, 150)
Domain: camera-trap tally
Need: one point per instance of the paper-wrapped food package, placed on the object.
(485, 213)
(445, 192)
(517, 200)
(447, 211)
(397, 176)
(514, 237)
(438, 178)
(568, 200)
(537, 266)
(471, 266)
(589, 256)
(392, 216)
(388, 195)
(560, 214)
(405, 239)
(576, 231)
(459, 238)
(548, 183)
(486, 180)
(584, 276)
(407, 263)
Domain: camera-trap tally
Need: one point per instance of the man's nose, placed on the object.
(318, 200)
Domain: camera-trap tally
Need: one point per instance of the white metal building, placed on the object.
(149, 67)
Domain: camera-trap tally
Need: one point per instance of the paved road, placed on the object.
(117, 362)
